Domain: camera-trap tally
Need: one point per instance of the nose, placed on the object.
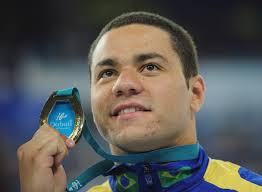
(127, 84)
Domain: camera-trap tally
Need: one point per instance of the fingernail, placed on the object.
(70, 143)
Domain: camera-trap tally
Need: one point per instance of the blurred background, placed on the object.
(44, 46)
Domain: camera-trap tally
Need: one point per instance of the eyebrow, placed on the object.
(145, 56)
(107, 62)
(138, 59)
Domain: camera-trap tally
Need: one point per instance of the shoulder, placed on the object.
(105, 187)
(227, 175)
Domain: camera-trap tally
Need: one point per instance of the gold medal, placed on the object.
(63, 111)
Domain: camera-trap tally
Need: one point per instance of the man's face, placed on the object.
(139, 97)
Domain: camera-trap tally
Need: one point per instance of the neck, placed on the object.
(187, 137)
(118, 151)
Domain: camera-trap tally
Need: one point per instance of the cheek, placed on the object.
(171, 99)
(98, 104)
(98, 97)
(98, 109)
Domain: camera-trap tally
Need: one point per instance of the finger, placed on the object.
(43, 127)
(62, 153)
(70, 143)
(46, 135)
(53, 153)
(60, 179)
(43, 137)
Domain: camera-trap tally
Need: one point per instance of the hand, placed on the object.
(40, 161)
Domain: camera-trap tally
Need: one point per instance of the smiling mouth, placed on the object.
(130, 110)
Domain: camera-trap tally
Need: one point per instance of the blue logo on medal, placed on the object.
(62, 118)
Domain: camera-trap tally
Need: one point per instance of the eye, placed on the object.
(106, 74)
(150, 67)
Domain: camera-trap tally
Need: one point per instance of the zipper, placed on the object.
(147, 175)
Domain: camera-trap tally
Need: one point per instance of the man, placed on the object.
(145, 91)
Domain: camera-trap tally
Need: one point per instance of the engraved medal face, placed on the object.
(65, 114)
(62, 118)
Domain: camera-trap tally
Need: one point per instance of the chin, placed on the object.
(137, 138)
(137, 144)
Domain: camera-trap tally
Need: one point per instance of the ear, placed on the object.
(197, 88)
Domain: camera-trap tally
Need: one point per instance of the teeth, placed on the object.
(129, 110)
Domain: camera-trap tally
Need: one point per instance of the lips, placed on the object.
(126, 108)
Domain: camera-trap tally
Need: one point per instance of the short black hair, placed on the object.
(182, 41)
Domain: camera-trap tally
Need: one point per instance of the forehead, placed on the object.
(132, 39)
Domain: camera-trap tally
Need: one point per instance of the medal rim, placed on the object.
(76, 105)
